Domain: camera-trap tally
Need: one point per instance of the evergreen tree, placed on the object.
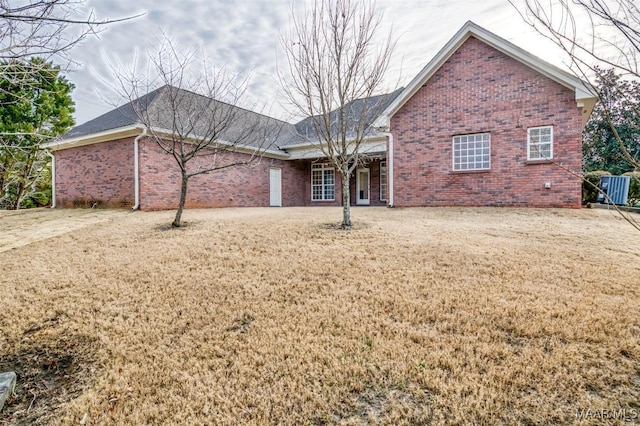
(618, 107)
(35, 106)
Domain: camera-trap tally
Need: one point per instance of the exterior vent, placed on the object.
(616, 188)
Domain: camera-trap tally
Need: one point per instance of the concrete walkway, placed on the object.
(21, 227)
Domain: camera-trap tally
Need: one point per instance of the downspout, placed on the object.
(53, 179)
(389, 136)
(136, 169)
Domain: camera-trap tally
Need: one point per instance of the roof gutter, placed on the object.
(384, 131)
(53, 179)
(231, 147)
(136, 169)
(107, 135)
(318, 144)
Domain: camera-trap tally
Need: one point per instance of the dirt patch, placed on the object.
(395, 405)
(53, 366)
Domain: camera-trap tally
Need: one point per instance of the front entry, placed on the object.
(362, 187)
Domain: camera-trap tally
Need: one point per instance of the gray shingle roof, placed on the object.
(375, 105)
(122, 116)
(188, 113)
(162, 105)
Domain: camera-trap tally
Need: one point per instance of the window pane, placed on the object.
(472, 152)
(328, 192)
(383, 180)
(322, 182)
(540, 143)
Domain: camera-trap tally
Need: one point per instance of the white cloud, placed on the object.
(246, 35)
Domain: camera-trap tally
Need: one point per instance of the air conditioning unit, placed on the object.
(614, 189)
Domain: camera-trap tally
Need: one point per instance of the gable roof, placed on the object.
(584, 95)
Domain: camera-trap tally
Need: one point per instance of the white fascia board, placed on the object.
(301, 145)
(107, 135)
(246, 149)
(316, 144)
(581, 88)
(383, 121)
(370, 146)
(123, 132)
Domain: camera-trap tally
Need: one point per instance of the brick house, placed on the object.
(483, 124)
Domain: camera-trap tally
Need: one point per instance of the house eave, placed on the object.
(129, 131)
(372, 145)
(105, 136)
(245, 149)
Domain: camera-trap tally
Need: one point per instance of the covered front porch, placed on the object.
(367, 186)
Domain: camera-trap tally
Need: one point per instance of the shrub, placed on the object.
(590, 182)
(35, 199)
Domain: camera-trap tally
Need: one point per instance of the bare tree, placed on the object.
(336, 66)
(597, 36)
(194, 116)
(44, 28)
(48, 29)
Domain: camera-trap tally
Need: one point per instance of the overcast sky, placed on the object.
(244, 35)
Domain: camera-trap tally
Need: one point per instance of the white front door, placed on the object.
(275, 187)
(362, 187)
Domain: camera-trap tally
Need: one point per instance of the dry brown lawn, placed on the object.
(274, 316)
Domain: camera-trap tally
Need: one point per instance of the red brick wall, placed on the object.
(100, 174)
(238, 186)
(480, 90)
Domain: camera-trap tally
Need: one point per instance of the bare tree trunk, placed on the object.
(346, 200)
(177, 222)
(25, 181)
(335, 58)
(15, 205)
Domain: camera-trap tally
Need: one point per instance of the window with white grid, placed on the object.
(540, 143)
(323, 182)
(383, 181)
(472, 152)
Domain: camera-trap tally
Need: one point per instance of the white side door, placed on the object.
(275, 187)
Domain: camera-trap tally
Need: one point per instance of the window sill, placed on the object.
(541, 161)
(464, 172)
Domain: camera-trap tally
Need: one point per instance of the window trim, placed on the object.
(322, 167)
(453, 154)
(550, 157)
(383, 183)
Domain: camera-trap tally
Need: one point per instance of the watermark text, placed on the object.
(624, 414)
